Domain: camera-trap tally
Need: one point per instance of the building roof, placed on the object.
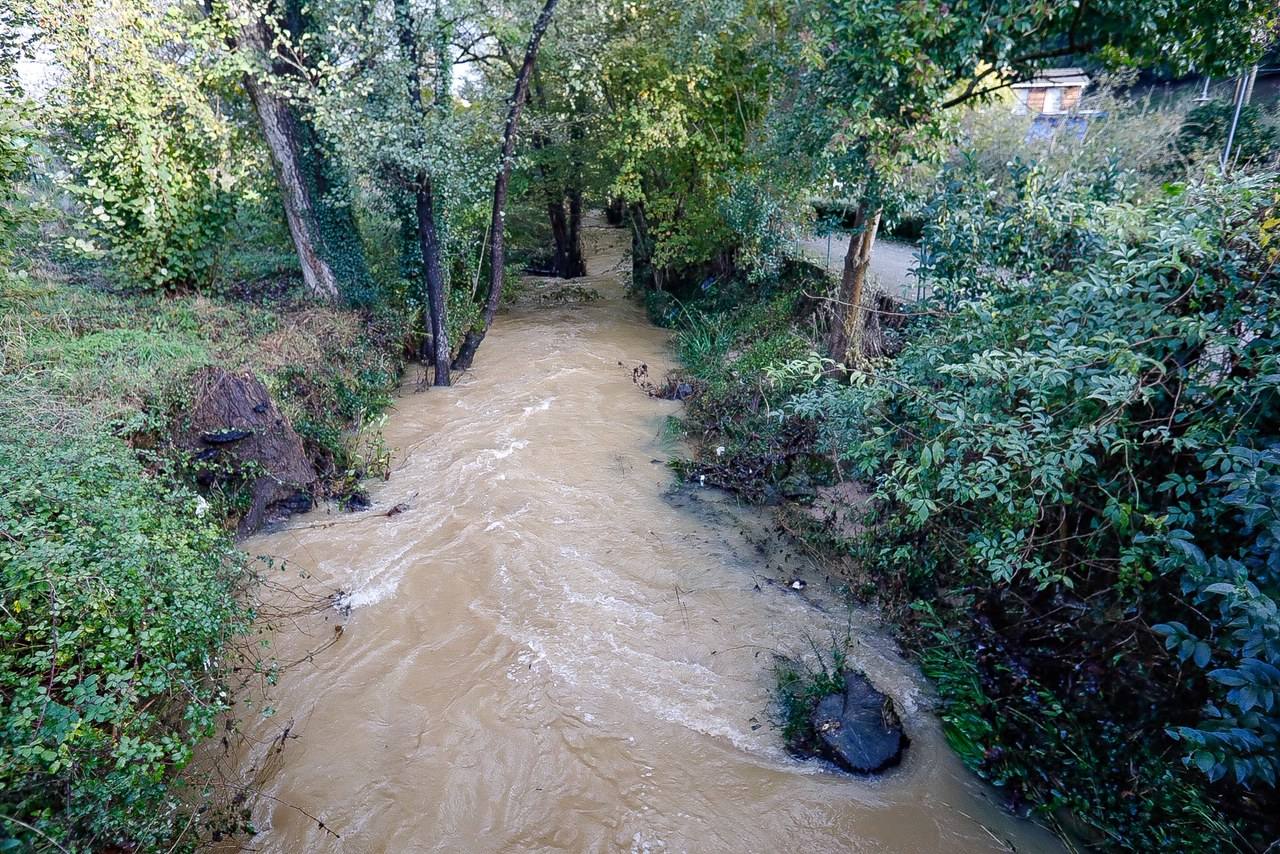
(1055, 78)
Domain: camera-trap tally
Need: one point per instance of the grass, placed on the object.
(944, 661)
(730, 342)
(112, 364)
(799, 685)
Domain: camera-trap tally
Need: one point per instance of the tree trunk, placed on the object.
(424, 204)
(277, 128)
(497, 247)
(844, 339)
(338, 238)
(575, 260)
(576, 263)
(559, 237)
(644, 275)
(615, 212)
(567, 260)
(429, 241)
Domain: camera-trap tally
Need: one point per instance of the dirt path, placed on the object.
(891, 262)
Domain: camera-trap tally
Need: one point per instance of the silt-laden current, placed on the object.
(544, 652)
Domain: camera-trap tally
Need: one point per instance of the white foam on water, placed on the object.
(503, 453)
(378, 589)
(542, 406)
(644, 843)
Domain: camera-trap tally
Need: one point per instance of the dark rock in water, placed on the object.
(301, 502)
(252, 443)
(859, 729)
(682, 391)
(355, 502)
(224, 437)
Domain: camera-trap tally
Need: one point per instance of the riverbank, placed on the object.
(127, 607)
(85, 350)
(971, 487)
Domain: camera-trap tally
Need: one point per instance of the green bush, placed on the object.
(1205, 129)
(1077, 449)
(730, 341)
(117, 602)
(151, 194)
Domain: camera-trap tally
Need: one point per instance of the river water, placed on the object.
(546, 652)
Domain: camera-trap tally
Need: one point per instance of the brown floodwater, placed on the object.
(548, 651)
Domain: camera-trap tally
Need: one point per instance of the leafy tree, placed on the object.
(16, 138)
(561, 176)
(497, 225)
(271, 43)
(381, 95)
(384, 95)
(567, 115)
(688, 86)
(874, 81)
(149, 140)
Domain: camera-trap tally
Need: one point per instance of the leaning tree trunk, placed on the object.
(338, 237)
(278, 129)
(497, 246)
(844, 339)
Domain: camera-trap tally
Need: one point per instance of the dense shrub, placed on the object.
(1204, 133)
(1018, 224)
(1076, 453)
(117, 600)
(151, 193)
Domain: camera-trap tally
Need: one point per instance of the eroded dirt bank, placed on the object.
(544, 652)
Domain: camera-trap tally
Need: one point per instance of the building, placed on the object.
(1052, 92)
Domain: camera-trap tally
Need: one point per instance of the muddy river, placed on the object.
(547, 652)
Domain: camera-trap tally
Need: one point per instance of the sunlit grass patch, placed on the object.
(120, 365)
